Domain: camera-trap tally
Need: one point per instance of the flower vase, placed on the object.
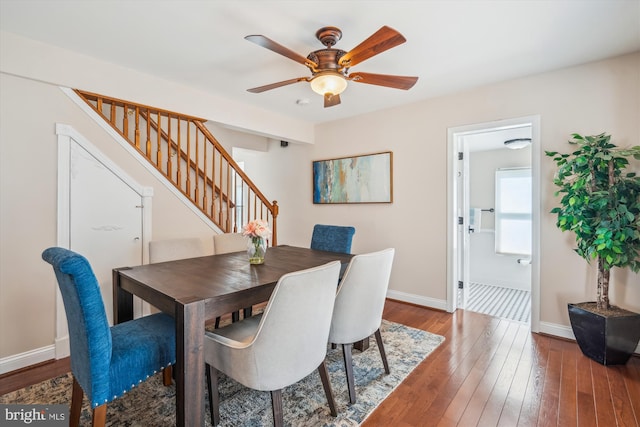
(256, 249)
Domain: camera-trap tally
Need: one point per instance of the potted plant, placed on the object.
(601, 205)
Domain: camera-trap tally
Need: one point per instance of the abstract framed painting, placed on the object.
(366, 178)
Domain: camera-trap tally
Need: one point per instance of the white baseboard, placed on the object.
(28, 358)
(417, 299)
(554, 329)
(557, 330)
(62, 347)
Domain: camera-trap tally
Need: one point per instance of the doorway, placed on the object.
(493, 242)
(103, 214)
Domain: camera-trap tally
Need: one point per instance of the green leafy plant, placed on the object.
(600, 204)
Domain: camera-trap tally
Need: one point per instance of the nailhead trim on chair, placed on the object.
(95, 405)
(93, 344)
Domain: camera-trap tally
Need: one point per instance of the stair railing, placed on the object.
(185, 152)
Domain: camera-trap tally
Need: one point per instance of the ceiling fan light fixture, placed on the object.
(328, 82)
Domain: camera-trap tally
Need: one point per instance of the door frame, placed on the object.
(455, 171)
(66, 135)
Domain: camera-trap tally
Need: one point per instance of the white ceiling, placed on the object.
(452, 45)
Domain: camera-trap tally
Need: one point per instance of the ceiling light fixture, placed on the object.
(328, 82)
(517, 143)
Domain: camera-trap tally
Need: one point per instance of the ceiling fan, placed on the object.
(330, 67)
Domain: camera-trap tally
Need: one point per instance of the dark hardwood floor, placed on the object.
(488, 372)
(16, 380)
(494, 372)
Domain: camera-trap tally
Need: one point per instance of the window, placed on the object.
(513, 211)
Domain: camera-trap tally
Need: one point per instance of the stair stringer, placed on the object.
(139, 157)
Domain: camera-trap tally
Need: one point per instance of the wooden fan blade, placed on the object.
(278, 48)
(276, 85)
(396, 82)
(383, 39)
(330, 100)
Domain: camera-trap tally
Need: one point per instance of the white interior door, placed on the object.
(103, 214)
(106, 219)
(459, 203)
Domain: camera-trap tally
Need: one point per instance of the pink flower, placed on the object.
(256, 228)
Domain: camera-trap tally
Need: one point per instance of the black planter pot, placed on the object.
(609, 340)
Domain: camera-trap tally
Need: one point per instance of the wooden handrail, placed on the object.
(229, 159)
(183, 155)
(120, 103)
(200, 168)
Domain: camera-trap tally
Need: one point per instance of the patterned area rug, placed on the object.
(304, 404)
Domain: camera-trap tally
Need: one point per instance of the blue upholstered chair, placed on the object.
(106, 361)
(332, 238)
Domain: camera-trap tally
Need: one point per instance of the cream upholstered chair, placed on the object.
(179, 248)
(359, 303)
(277, 348)
(229, 242)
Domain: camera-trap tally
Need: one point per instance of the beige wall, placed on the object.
(39, 61)
(29, 111)
(589, 99)
(597, 97)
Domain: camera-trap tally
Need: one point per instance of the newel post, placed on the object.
(274, 225)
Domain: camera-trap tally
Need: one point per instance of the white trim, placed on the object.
(147, 236)
(69, 131)
(139, 157)
(552, 329)
(452, 213)
(28, 358)
(61, 337)
(67, 134)
(438, 304)
(62, 345)
(557, 330)
(536, 151)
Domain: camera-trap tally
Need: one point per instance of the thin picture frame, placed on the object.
(366, 178)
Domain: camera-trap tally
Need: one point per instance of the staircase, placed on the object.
(183, 150)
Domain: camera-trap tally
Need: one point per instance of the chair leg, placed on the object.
(76, 403)
(348, 367)
(99, 416)
(214, 396)
(247, 312)
(324, 376)
(383, 354)
(235, 316)
(217, 322)
(276, 403)
(167, 375)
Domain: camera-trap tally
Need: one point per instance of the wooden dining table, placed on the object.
(196, 290)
